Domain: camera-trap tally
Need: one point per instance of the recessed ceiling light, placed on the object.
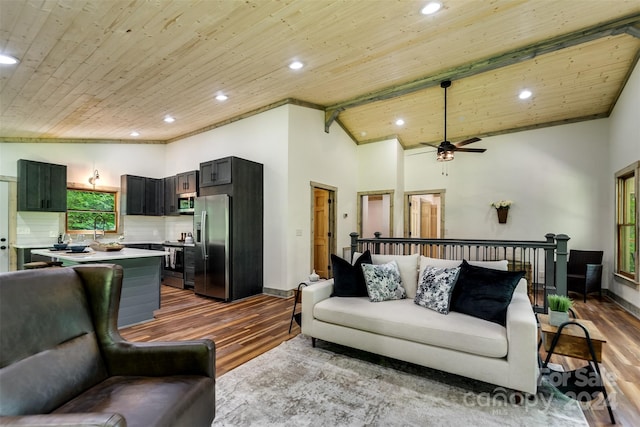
(169, 119)
(222, 97)
(134, 133)
(431, 8)
(525, 94)
(296, 65)
(7, 60)
(399, 122)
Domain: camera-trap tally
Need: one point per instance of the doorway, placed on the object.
(424, 214)
(323, 222)
(375, 214)
(8, 189)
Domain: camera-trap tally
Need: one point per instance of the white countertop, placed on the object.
(90, 255)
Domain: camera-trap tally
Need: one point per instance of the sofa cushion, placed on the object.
(149, 401)
(383, 281)
(348, 279)
(405, 320)
(408, 266)
(484, 292)
(435, 288)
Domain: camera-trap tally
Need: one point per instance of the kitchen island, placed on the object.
(140, 283)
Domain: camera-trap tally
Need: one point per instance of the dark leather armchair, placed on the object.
(63, 362)
(584, 272)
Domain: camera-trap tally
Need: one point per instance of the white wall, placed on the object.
(326, 158)
(624, 148)
(553, 175)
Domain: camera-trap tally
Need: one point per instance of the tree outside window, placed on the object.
(627, 225)
(90, 209)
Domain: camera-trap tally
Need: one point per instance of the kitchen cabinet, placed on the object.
(170, 196)
(189, 267)
(245, 227)
(187, 182)
(141, 196)
(42, 186)
(216, 172)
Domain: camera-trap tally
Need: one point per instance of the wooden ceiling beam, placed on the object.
(628, 24)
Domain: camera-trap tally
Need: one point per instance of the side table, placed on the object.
(298, 316)
(580, 339)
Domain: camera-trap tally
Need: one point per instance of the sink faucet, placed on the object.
(95, 225)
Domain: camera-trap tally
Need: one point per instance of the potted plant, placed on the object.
(559, 306)
(502, 208)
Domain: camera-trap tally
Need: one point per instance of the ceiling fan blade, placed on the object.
(430, 144)
(467, 141)
(471, 150)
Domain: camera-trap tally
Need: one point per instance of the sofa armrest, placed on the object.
(311, 295)
(522, 333)
(93, 419)
(161, 358)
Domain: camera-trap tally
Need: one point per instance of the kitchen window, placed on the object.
(88, 210)
(626, 222)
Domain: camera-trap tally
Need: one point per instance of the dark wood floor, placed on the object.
(245, 329)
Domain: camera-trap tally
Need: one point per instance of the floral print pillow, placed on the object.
(435, 288)
(383, 281)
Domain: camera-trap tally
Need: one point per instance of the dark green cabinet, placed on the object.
(187, 182)
(216, 172)
(141, 195)
(170, 196)
(42, 186)
(189, 266)
(245, 188)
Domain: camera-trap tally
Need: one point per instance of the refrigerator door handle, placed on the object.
(204, 234)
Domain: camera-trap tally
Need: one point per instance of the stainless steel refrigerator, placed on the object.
(212, 243)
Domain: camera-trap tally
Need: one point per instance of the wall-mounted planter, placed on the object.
(502, 215)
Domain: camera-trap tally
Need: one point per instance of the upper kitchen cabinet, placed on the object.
(42, 186)
(216, 172)
(141, 195)
(187, 182)
(171, 196)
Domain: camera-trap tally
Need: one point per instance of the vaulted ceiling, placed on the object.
(97, 70)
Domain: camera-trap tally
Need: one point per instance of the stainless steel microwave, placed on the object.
(186, 203)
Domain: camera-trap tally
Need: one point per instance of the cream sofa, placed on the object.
(456, 343)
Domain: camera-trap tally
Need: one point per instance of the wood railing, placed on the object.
(544, 262)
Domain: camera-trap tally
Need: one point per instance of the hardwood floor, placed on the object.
(245, 329)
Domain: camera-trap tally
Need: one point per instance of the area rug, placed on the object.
(331, 385)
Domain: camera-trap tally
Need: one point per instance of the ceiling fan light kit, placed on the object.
(446, 148)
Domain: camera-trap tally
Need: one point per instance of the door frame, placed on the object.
(390, 193)
(331, 227)
(407, 210)
(12, 219)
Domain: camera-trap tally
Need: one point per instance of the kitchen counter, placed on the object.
(140, 295)
(98, 256)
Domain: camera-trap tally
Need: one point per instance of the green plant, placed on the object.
(559, 302)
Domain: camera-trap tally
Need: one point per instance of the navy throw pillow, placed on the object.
(484, 292)
(348, 280)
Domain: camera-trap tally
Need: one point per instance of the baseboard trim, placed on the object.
(279, 292)
(635, 311)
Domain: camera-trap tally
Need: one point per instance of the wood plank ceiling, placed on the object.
(96, 70)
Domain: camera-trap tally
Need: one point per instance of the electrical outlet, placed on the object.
(298, 232)
(23, 230)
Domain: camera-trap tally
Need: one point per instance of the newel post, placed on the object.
(561, 263)
(354, 244)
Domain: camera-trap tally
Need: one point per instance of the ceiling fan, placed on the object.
(446, 148)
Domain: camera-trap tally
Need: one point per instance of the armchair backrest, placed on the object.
(48, 339)
(578, 260)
